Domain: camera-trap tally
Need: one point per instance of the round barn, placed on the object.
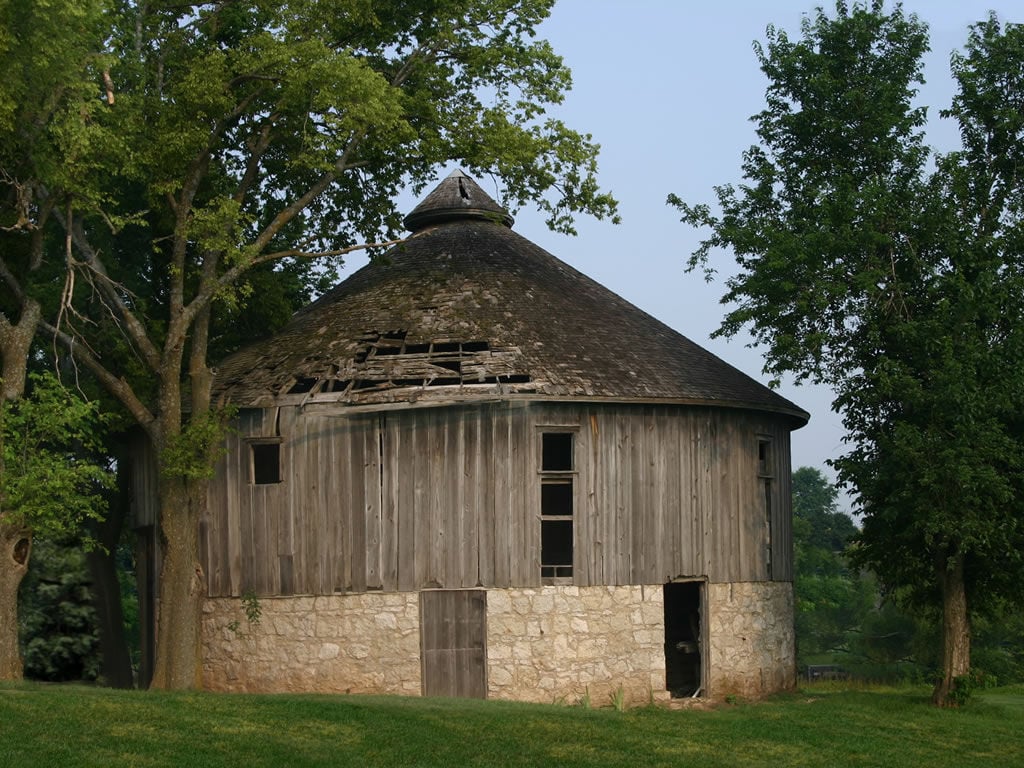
(470, 470)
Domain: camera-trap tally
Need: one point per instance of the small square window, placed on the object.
(556, 499)
(556, 453)
(266, 463)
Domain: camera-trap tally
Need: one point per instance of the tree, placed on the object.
(58, 621)
(816, 506)
(46, 488)
(831, 598)
(251, 136)
(52, 56)
(895, 277)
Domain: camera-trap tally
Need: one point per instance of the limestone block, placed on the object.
(328, 651)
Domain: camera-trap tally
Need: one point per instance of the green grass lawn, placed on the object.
(82, 726)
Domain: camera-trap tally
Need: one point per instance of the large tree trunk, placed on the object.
(15, 542)
(15, 547)
(956, 631)
(182, 589)
(115, 658)
(15, 343)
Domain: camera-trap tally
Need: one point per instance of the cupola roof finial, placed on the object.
(457, 197)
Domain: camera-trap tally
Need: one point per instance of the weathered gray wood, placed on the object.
(453, 654)
(584, 501)
(525, 505)
(486, 551)
(469, 541)
(408, 576)
(502, 469)
(373, 437)
(450, 497)
(389, 505)
(354, 539)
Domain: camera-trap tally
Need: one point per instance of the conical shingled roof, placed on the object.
(467, 309)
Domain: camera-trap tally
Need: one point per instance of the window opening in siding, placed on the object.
(556, 452)
(266, 462)
(556, 506)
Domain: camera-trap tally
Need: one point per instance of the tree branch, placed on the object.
(116, 386)
(109, 289)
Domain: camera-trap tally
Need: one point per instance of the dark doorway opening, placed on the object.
(683, 644)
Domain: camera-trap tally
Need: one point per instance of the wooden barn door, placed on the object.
(453, 642)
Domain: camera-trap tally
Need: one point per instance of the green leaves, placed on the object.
(824, 216)
(51, 479)
(897, 279)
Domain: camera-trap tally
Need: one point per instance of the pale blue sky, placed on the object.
(667, 87)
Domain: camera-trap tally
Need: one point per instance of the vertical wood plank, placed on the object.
(584, 500)
(390, 501)
(501, 467)
(372, 456)
(406, 510)
(289, 446)
(424, 509)
(356, 543)
(452, 464)
(598, 496)
(525, 502)
(469, 574)
(485, 504)
(334, 508)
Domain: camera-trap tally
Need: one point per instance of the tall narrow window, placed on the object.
(556, 506)
(764, 479)
(266, 462)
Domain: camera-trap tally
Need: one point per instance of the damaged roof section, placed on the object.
(391, 360)
(468, 309)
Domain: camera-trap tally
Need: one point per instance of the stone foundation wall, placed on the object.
(752, 642)
(549, 644)
(570, 643)
(366, 643)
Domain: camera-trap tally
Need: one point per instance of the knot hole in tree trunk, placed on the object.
(21, 551)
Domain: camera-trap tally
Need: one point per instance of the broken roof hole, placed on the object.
(446, 346)
(516, 378)
(417, 349)
(366, 384)
(301, 386)
(475, 346)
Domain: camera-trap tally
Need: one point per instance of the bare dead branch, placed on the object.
(108, 84)
(115, 385)
(112, 293)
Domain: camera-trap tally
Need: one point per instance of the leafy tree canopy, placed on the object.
(223, 147)
(894, 275)
(49, 484)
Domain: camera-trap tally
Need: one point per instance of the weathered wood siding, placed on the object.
(449, 497)
(453, 642)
